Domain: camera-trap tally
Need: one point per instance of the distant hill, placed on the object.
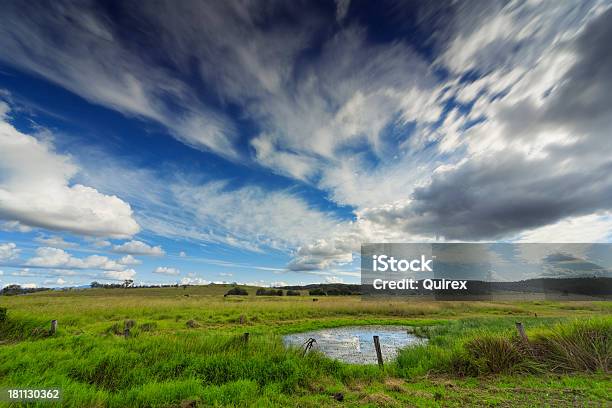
(331, 289)
(586, 286)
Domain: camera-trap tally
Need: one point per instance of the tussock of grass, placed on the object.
(582, 345)
(571, 346)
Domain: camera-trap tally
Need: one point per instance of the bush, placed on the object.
(583, 345)
(268, 292)
(147, 327)
(293, 293)
(192, 324)
(3, 314)
(236, 291)
(316, 292)
(490, 354)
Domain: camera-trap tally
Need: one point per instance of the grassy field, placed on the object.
(185, 349)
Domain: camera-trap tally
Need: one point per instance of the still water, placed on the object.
(355, 344)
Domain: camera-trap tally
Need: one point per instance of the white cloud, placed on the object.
(23, 272)
(182, 254)
(129, 260)
(166, 270)
(194, 281)
(55, 241)
(120, 275)
(251, 217)
(101, 244)
(11, 226)
(59, 281)
(113, 76)
(333, 279)
(35, 190)
(342, 7)
(47, 257)
(138, 248)
(8, 251)
(587, 228)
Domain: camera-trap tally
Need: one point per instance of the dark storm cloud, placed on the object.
(585, 98)
(487, 200)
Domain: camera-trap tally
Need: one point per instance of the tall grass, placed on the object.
(582, 345)
(168, 362)
(570, 346)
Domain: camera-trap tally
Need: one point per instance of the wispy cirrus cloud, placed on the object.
(496, 126)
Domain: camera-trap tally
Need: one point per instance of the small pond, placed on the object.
(355, 344)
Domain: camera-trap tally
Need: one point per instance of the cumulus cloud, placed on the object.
(47, 257)
(129, 260)
(120, 275)
(194, 280)
(35, 190)
(8, 251)
(166, 270)
(139, 248)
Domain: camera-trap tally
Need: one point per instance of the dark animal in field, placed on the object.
(315, 300)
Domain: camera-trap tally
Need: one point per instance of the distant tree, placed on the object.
(18, 290)
(236, 291)
(95, 284)
(11, 290)
(269, 292)
(316, 292)
(293, 293)
(128, 283)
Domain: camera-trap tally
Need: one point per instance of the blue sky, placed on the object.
(264, 142)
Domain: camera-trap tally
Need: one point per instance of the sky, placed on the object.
(264, 142)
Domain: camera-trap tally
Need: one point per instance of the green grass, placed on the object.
(473, 355)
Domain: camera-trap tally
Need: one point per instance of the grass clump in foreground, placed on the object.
(570, 346)
(190, 351)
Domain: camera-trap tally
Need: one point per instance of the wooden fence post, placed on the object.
(126, 332)
(378, 352)
(245, 337)
(242, 319)
(53, 327)
(521, 332)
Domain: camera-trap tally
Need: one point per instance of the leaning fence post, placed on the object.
(521, 332)
(53, 327)
(378, 352)
(308, 344)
